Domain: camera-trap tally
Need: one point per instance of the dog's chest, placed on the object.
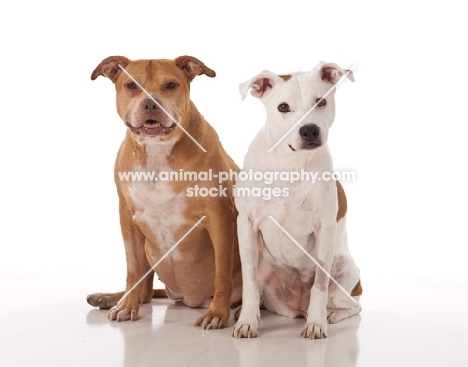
(288, 222)
(159, 211)
(281, 227)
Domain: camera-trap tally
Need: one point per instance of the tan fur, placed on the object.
(357, 290)
(159, 293)
(342, 209)
(285, 77)
(342, 202)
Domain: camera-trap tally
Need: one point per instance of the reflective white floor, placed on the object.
(47, 322)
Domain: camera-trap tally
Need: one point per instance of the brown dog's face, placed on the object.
(152, 95)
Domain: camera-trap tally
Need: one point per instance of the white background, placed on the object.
(401, 126)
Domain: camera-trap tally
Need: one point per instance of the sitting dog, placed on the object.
(294, 252)
(166, 133)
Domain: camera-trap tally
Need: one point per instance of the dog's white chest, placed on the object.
(283, 234)
(158, 209)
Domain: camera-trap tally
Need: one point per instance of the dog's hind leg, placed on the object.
(335, 314)
(342, 305)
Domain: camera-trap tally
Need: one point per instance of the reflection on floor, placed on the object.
(403, 323)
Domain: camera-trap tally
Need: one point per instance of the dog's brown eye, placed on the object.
(171, 85)
(321, 102)
(132, 85)
(284, 107)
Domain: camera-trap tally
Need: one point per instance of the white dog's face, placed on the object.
(290, 98)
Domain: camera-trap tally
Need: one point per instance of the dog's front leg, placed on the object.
(316, 326)
(137, 266)
(246, 326)
(221, 228)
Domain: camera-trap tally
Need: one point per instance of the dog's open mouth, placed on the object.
(152, 128)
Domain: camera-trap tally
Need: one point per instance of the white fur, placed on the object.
(308, 214)
(156, 204)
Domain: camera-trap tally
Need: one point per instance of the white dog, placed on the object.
(323, 284)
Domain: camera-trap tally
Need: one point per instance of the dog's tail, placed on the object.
(159, 293)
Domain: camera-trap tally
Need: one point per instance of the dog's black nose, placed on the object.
(309, 133)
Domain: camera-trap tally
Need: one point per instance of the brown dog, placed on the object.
(155, 215)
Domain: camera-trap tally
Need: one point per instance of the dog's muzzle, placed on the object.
(151, 121)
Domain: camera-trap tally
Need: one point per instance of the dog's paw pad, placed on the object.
(245, 330)
(314, 331)
(116, 314)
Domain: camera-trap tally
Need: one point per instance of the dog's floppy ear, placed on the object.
(109, 67)
(193, 67)
(260, 84)
(331, 72)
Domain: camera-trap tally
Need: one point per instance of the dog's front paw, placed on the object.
(213, 320)
(122, 314)
(245, 330)
(314, 331)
